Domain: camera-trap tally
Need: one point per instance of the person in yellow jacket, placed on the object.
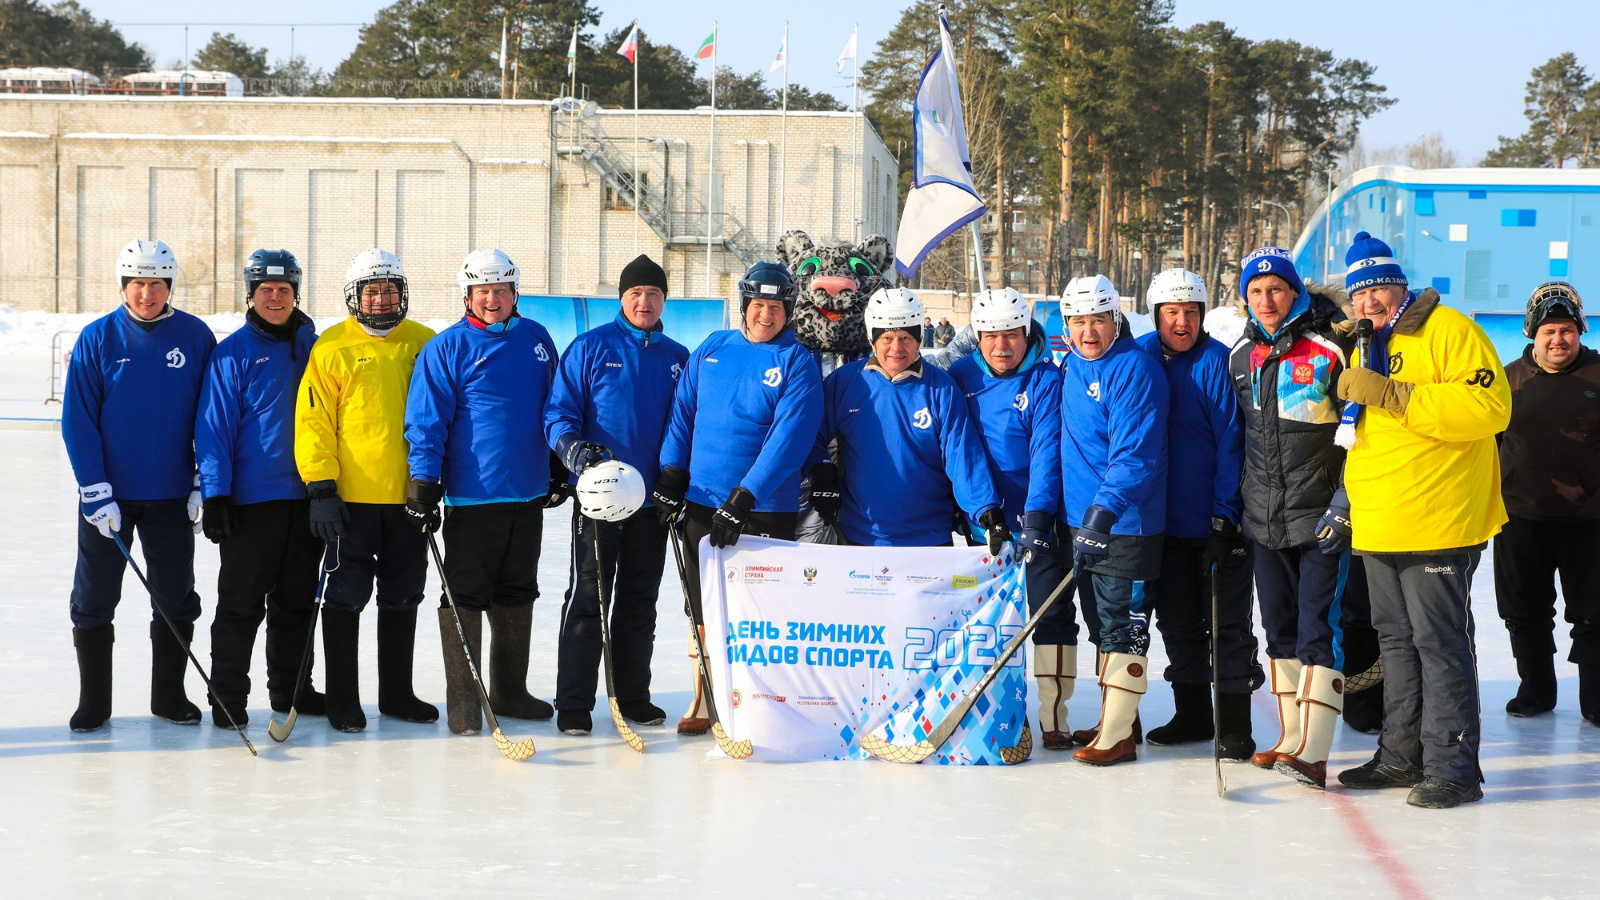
(351, 450)
(1421, 498)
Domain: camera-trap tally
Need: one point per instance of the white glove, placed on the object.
(196, 505)
(99, 509)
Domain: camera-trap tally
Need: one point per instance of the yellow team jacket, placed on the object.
(351, 409)
(1430, 480)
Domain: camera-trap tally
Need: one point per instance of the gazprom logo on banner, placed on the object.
(862, 575)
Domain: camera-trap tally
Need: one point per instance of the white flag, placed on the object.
(782, 60)
(572, 52)
(942, 198)
(502, 49)
(849, 51)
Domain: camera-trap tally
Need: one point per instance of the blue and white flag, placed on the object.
(942, 198)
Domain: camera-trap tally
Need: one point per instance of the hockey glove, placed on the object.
(1038, 533)
(1224, 544)
(560, 491)
(196, 507)
(1333, 529)
(328, 514)
(578, 455)
(669, 494)
(1091, 545)
(993, 523)
(217, 521)
(422, 505)
(99, 509)
(826, 497)
(728, 522)
(1368, 388)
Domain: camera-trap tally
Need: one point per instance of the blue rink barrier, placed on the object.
(688, 321)
(1505, 330)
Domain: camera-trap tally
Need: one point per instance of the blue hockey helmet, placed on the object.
(271, 265)
(767, 281)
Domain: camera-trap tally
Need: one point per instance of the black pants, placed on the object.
(697, 524)
(634, 554)
(166, 540)
(379, 545)
(491, 553)
(1301, 592)
(1183, 617)
(1528, 556)
(269, 570)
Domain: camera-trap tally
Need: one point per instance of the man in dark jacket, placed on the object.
(1550, 465)
(1285, 368)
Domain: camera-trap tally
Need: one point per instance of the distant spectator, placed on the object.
(927, 332)
(944, 333)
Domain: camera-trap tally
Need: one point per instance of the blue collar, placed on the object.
(638, 334)
(1031, 358)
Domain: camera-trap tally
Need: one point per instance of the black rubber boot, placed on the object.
(576, 722)
(510, 632)
(341, 636)
(463, 708)
(397, 638)
(168, 663)
(642, 712)
(94, 676)
(1588, 693)
(1191, 718)
(1236, 742)
(232, 645)
(1536, 667)
(285, 647)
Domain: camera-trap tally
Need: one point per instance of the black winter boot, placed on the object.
(397, 638)
(168, 661)
(1588, 693)
(1363, 710)
(286, 646)
(341, 636)
(510, 632)
(1236, 741)
(1536, 667)
(463, 708)
(1191, 718)
(94, 676)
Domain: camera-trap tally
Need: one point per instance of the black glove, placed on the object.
(217, 519)
(328, 514)
(560, 491)
(993, 523)
(727, 523)
(826, 498)
(1038, 533)
(422, 505)
(1225, 542)
(1092, 544)
(578, 455)
(668, 496)
(1333, 529)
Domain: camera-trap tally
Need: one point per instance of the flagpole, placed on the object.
(711, 156)
(637, 212)
(783, 141)
(855, 136)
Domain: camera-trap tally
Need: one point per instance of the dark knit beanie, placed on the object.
(642, 271)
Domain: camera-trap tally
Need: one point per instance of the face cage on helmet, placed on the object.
(1541, 313)
(352, 302)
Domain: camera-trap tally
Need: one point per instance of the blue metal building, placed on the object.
(1484, 238)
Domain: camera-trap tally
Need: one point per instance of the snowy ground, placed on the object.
(147, 808)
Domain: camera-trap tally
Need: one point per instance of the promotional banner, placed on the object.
(814, 645)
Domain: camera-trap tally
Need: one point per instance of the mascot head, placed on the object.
(834, 280)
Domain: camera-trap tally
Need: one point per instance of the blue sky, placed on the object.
(1457, 68)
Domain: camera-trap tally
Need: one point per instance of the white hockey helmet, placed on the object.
(146, 259)
(1001, 309)
(1090, 294)
(375, 265)
(488, 267)
(1177, 286)
(610, 490)
(894, 309)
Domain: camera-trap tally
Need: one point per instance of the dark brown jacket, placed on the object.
(1550, 453)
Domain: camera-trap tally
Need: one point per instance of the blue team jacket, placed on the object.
(244, 433)
(615, 387)
(475, 412)
(909, 452)
(1114, 439)
(1019, 418)
(128, 412)
(745, 415)
(1205, 437)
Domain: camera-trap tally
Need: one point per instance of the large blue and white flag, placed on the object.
(815, 645)
(942, 198)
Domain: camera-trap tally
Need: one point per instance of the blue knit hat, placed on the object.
(1371, 262)
(1269, 261)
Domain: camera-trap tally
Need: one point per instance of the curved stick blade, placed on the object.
(627, 734)
(1020, 753)
(280, 733)
(518, 751)
(737, 750)
(896, 753)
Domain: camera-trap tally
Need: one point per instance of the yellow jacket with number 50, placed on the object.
(1430, 479)
(350, 417)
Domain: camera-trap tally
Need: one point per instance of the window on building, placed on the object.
(1424, 203)
(1519, 218)
(1476, 286)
